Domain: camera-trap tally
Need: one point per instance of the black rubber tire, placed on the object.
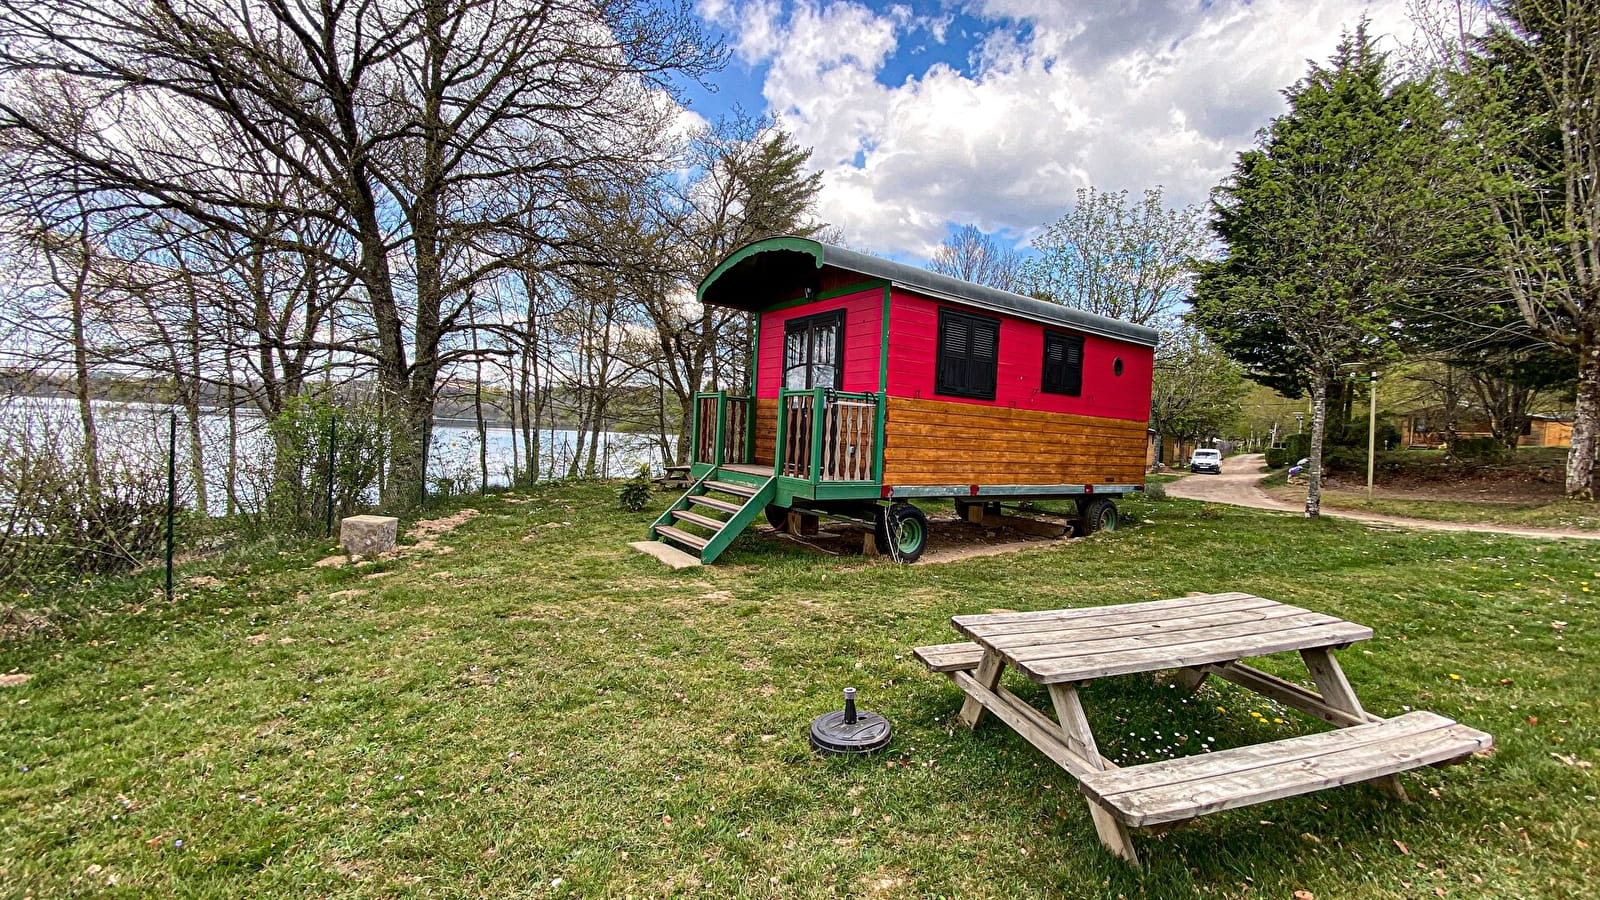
(910, 528)
(777, 516)
(1099, 514)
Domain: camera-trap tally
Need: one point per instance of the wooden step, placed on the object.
(950, 657)
(668, 554)
(728, 487)
(696, 518)
(683, 537)
(714, 503)
(1176, 790)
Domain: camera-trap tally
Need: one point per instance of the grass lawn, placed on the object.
(541, 712)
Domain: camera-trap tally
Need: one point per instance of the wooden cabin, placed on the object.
(1546, 431)
(878, 384)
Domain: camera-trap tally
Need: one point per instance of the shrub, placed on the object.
(56, 526)
(1296, 447)
(1277, 457)
(1344, 459)
(1155, 491)
(635, 494)
(295, 480)
(1483, 448)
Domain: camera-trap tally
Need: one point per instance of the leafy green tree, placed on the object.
(1128, 259)
(1529, 99)
(1329, 223)
(1197, 389)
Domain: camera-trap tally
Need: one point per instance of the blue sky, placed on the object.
(925, 115)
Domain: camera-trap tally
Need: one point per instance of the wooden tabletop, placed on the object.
(1073, 645)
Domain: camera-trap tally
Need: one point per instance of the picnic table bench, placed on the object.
(1199, 636)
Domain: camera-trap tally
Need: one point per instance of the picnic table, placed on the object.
(1198, 636)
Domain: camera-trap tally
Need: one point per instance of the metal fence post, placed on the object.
(327, 487)
(172, 491)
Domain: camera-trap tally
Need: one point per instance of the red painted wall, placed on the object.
(862, 333)
(913, 349)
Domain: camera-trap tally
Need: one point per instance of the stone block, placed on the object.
(368, 535)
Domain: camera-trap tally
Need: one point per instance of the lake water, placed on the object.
(138, 432)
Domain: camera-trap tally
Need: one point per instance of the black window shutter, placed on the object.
(1063, 364)
(968, 353)
(985, 344)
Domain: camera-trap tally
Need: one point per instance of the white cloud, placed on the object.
(1059, 96)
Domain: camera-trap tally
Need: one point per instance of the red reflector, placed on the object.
(1088, 489)
(887, 491)
(972, 490)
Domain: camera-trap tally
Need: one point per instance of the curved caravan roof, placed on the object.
(760, 274)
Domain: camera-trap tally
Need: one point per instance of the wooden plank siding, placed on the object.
(766, 430)
(938, 442)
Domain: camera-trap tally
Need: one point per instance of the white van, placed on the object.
(1206, 461)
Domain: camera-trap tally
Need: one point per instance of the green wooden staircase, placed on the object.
(715, 509)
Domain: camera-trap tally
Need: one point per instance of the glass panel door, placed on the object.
(813, 347)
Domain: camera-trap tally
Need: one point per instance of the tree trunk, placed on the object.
(477, 408)
(747, 375)
(81, 386)
(1319, 423)
(230, 489)
(483, 430)
(197, 466)
(581, 432)
(1585, 422)
(662, 442)
(595, 427)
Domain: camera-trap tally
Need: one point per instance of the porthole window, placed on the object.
(1116, 366)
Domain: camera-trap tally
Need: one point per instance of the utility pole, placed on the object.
(1372, 422)
(1372, 427)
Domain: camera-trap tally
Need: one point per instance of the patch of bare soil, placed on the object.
(1479, 484)
(426, 528)
(949, 539)
(17, 623)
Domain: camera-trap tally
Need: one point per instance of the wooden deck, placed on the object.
(746, 469)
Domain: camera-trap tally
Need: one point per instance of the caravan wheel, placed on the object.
(902, 532)
(1099, 514)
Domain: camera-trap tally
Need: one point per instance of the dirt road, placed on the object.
(1239, 485)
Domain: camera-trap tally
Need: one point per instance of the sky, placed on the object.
(926, 115)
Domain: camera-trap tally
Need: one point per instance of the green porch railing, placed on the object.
(828, 436)
(723, 429)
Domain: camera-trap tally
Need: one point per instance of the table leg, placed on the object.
(1191, 678)
(1337, 693)
(1080, 739)
(988, 675)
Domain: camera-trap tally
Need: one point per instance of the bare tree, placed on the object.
(749, 181)
(973, 256)
(419, 127)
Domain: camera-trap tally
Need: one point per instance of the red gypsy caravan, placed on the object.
(879, 384)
